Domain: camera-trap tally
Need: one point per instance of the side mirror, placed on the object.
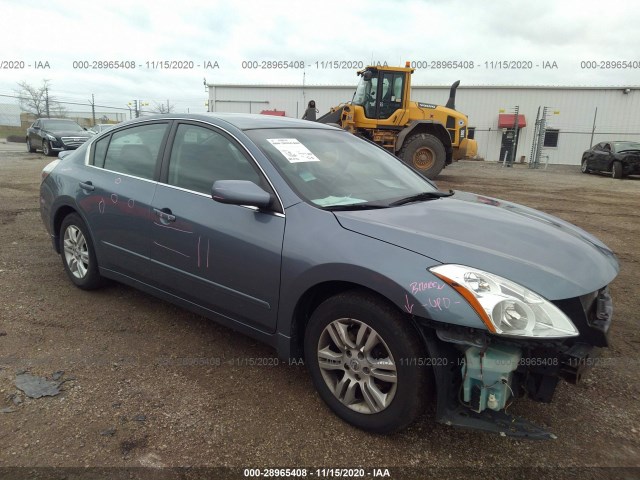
(367, 75)
(65, 153)
(240, 192)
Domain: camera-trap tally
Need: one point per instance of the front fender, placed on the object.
(317, 250)
(413, 128)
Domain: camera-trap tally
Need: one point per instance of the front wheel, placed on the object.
(616, 170)
(425, 153)
(583, 166)
(363, 356)
(46, 148)
(78, 255)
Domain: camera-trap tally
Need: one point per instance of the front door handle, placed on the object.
(87, 186)
(165, 215)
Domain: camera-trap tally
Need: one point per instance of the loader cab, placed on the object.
(380, 92)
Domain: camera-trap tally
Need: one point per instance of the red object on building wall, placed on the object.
(277, 113)
(506, 120)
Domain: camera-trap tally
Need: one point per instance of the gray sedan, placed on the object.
(331, 250)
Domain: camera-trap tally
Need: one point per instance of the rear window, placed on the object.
(133, 151)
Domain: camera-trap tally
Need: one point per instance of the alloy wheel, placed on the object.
(357, 365)
(76, 251)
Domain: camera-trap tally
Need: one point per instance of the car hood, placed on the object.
(541, 252)
(65, 133)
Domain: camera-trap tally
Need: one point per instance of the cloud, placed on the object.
(230, 33)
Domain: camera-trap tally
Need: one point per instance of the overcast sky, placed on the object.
(535, 33)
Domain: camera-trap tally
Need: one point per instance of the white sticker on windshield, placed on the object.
(293, 150)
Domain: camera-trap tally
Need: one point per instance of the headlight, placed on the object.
(51, 137)
(505, 307)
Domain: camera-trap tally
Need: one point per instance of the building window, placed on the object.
(551, 137)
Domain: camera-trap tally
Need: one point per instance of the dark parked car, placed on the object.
(53, 135)
(617, 158)
(328, 248)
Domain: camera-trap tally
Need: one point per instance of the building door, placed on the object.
(506, 147)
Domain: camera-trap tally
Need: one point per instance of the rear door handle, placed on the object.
(165, 214)
(87, 186)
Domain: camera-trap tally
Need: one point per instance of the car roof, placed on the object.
(242, 121)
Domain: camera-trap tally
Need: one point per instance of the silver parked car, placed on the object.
(328, 248)
(100, 127)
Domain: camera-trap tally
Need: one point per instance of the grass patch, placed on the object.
(6, 132)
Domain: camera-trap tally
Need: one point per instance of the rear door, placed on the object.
(117, 192)
(225, 258)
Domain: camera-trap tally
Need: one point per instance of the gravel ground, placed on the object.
(149, 384)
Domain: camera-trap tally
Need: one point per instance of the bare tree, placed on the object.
(163, 108)
(38, 101)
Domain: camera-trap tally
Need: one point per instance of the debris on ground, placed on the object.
(36, 387)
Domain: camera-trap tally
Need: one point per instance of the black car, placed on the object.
(53, 135)
(618, 158)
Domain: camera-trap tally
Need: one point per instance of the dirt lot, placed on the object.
(149, 384)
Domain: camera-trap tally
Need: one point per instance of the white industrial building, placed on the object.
(577, 116)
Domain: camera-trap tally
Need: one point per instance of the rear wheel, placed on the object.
(425, 153)
(583, 167)
(616, 170)
(359, 351)
(78, 255)
(30, 148)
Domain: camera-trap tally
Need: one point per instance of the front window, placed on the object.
(201, 156)
(330, 168)
(365, 91)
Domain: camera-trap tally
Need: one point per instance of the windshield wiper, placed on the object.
(420, 197)
(355, 206)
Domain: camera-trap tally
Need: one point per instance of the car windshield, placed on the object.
(330, 168)
(66, 125)
(621, 146)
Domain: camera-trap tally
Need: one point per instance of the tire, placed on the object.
(30, 147)
(425, 153)
(583, 166)
(382, 399)
(78, 254)
(46, 148)
(616, 170)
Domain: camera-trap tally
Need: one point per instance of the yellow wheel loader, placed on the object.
(424, 135)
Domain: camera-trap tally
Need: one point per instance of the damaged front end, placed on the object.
(479, 374)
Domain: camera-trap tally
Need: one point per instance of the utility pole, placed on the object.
(593, 129)
(93, 109)
(516, 124)
(46, 101)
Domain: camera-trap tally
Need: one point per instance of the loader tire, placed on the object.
(425, 153)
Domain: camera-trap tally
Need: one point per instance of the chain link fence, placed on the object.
(15, 119)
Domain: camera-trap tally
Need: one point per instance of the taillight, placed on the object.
(49, 168)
